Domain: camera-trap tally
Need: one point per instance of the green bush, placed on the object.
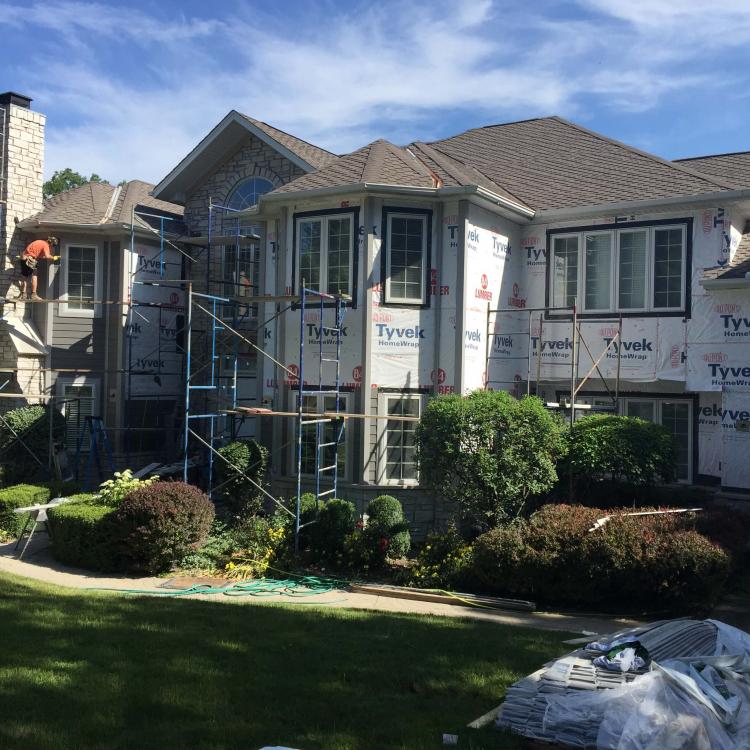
(444, 561)
(489, 453)
(248, 458)
(85, 535)
(159, 524)
(21, 495)
(31, 424)
(336, 520)
(657, 561)
(387, 530)
(626, 450)
(214, 553)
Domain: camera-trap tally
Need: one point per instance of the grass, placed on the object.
(97, 670)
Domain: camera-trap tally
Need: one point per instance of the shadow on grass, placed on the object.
(104, 671)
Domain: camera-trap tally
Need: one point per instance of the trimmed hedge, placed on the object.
(84, 535)
(20, 495)
(655, 562)
(387, 526)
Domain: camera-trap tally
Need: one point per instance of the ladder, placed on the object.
(97, 439)
(326, 444)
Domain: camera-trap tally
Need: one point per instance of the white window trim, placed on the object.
(614, 294)
(343, 408)
(65, 309)
(390, 298)
(93, 382)
(579, 272)
(324, 219)
(382, 479)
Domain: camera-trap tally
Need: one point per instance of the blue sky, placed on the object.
(129, 88)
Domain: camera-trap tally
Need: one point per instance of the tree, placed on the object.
(65, 179)
(489, 453)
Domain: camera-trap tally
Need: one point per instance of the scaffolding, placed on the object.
(534, 348)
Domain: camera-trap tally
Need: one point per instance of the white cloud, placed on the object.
(128, 93)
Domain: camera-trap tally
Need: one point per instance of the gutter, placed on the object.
(723, 284)
(382, 188)
(551, 214)
(30, 225)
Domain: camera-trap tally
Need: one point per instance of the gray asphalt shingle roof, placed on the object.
(552, 163)
(314, 155)
(92, 204)
(379, 162)
(732, 168)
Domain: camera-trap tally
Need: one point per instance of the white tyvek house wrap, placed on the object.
(719, 342)
(711, 424)
(735, 466)
(492, 279)
(651, 348)
(152, 333)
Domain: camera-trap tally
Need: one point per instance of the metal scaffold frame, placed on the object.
(578, 342)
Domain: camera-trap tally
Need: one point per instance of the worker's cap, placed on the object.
(53, 240)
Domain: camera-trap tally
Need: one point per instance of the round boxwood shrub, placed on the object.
(335, 521)
(387, 527)
(84, 535)
(159, 524)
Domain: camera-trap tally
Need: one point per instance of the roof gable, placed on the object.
(226, 137)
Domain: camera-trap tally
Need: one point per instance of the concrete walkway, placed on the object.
(39, 565)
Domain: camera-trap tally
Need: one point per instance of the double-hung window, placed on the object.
(80, 283)
(406, 257)
(398, 453)
(325, 249)
(636, 269)
(78, 399)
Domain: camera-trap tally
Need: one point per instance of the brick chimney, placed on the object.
(21, 169)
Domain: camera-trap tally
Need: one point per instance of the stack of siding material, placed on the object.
(565, 680)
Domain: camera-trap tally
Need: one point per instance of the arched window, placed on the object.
(240, 261)
(246, 194)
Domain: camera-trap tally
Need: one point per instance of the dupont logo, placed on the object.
(708, 221)
(357, 374)
(608, 331)
(438, 376)
(484, 292)
(516, 300)
(293, 371)
(729, 308)
(714, 357)
(674, 356)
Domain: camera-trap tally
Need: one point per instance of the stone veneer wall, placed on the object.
(22, 191)
(20, 197)
(254, 159)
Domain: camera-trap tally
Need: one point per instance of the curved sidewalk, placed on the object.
(39, 565)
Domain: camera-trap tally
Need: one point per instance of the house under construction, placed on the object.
(267, 287)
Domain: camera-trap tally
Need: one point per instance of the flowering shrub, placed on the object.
(113, 491)
(443, 562)
(257, 543)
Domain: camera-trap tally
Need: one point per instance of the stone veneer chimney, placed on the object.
(21, 170)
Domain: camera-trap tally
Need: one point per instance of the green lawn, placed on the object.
(97, 670)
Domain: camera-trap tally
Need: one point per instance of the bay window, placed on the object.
(325, 252)
(632, 269)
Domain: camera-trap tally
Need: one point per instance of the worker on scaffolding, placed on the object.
(28, 263)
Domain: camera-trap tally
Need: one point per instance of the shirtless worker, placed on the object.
(27, 263)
